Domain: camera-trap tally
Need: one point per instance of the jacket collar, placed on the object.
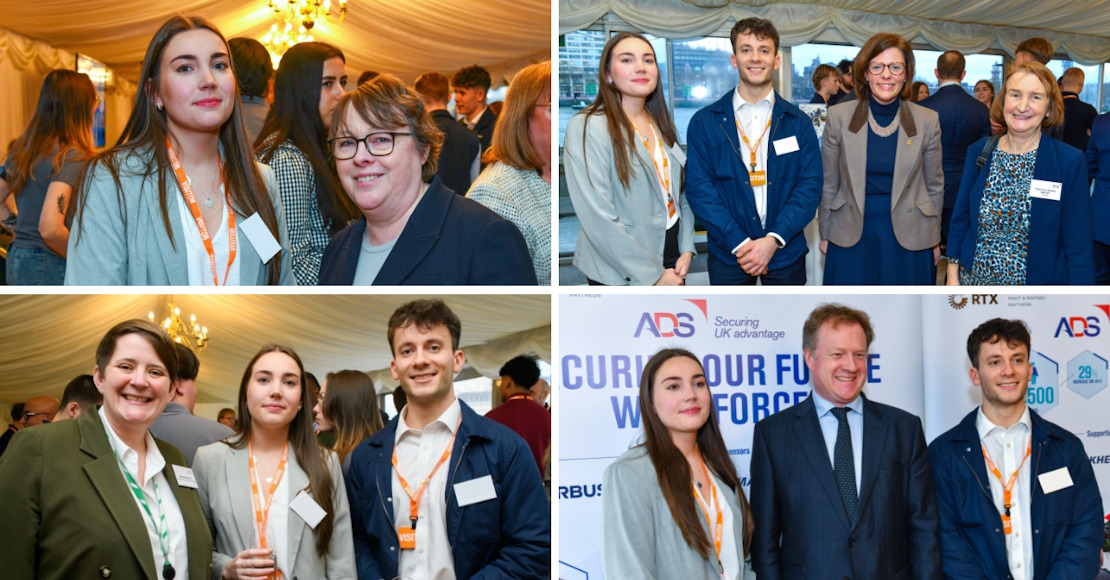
(724, 105)
(419, 236)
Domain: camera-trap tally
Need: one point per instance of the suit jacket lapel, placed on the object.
(855, 144)
(419, 236)
(298, 480)
(909, 152)
(104, 473)
(242, 504)
(727, 125)
(874, 444)
(648, 161)
(174, 258)
(812, 443)
(196, 528)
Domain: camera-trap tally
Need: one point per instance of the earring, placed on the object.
(159, 105)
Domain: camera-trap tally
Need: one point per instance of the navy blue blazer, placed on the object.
(1060, 236)
(963, 121)
(801, 528)
(448, 239)
(1098, 169)
(1067, 540)
(720, 193)
(508, 536)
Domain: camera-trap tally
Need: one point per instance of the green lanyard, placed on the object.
(163, 531)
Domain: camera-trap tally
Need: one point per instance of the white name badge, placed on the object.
(185, 477)
(475, 491)
(308, 509)
(1055, 480)
(678, 154)
(1041, 189)
(260, 237)
(787, 145)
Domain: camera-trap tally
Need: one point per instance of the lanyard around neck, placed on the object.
(414, 496)
(161, 529)
(261, 506)
(187, 190)
(717, 530)
(664, 175)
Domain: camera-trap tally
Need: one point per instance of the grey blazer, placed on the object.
(623, 229)
(122, 239)
(224, 489)
(918, 190)
(639, 539)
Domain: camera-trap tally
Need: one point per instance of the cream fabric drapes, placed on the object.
(1078, 28)
(24, 63)
(51, 339)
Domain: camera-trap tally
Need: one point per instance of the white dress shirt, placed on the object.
(1006, 448)
(175, 523)
(200, 267)
(753, 118)
(829, 425)
(731, 559)
(417, 453)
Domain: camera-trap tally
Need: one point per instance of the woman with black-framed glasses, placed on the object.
(413, 230)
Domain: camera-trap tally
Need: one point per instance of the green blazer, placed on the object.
(68, 512)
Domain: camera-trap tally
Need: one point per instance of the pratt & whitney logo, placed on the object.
(672, 324)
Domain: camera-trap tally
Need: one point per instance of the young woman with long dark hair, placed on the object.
(349, 404)
(673, 506)
(42, 166)
(294, 143)
(271, 460)
(624, 177)
(172, 202)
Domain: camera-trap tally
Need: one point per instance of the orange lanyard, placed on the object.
(718, 530)
(262, 512)
(755, 149)
(1007, 487)
(414, 497)
(665, 175)
(517, 396)
(187, 189)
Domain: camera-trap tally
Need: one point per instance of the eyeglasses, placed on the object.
(896, 68)
(27, 415)
(377, 144)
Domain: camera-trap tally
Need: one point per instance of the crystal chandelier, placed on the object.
(307, 13)
(193, 336)
(277, 42)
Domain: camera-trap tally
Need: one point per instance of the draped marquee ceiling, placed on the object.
(48, 340)
(1079, 28)
(402, 37)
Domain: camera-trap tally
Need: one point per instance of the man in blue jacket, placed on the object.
(963, 121)
(442, 492)
(753, 174)
(1016, 494)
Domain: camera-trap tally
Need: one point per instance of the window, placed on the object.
(805, 59)
(703, 73)
(578, 57)
(1089, 94)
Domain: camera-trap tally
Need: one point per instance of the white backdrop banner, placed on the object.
(751, 347)
(1070, 343)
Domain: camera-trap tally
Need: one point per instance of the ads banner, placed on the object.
(751, 347)
(1071, 345)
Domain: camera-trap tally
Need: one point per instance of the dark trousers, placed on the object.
(1102, 264)
(670, 252)
(731, 274)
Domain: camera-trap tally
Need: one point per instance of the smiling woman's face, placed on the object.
(632, 68)
(135, 384)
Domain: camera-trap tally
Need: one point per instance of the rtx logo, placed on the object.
(671, 324)
(959, 301)
(1081, 326)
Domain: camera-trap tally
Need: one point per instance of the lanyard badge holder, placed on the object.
(262, 507)
(758, 178)
(187, 190)
(406, 535)
(1008, 486)
(163, 530)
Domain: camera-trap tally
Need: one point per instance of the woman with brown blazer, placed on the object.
(879, 215)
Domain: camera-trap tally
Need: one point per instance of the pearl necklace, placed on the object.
(879, 130)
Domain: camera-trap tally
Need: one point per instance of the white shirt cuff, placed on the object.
(737, 248)
(782, 242)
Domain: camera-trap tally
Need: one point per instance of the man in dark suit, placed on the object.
(471, 85)
(753, 171)
(963, 121)
(841, 485)
(459, 160)
(1078, 116)
(1023, 503)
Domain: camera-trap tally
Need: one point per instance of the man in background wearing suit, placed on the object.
(471, 85)
(841, 485)
(1078, 116)
(963, 121)
(177, 425)
(753, 174)
(1023, 503)
(459, 161)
